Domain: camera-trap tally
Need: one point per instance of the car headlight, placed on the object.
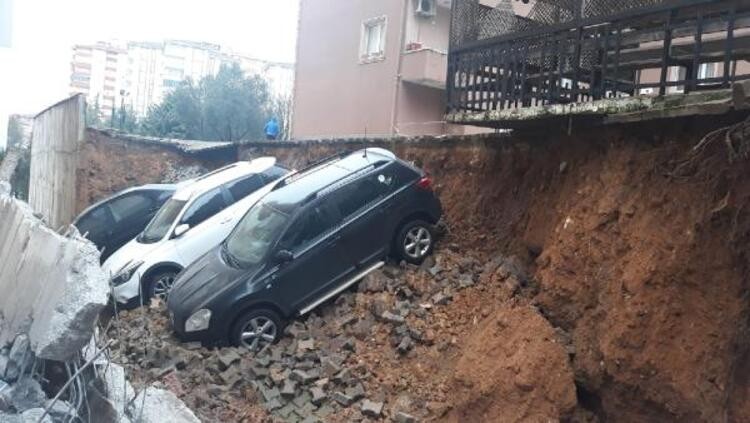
(126, 273)
(198, 321)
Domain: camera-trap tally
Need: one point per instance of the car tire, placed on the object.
(159, 284)
(415, 241)
(257, 329)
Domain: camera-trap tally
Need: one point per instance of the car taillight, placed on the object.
(425, 183)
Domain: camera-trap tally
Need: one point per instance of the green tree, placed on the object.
(281, 109)
(224, 107)
(93, 114)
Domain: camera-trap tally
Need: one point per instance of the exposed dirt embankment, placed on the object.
(639, 254)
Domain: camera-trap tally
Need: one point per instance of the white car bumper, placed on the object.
(128, 291)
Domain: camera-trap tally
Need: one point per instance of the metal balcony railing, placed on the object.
(571, 51)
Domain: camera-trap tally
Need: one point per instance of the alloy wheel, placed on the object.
(162, 286)
(258, 333)
(417, 242)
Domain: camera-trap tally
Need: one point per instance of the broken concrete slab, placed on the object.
(56, 288)
(19, 358)
(159, 406)
(24, 395)
(34, 415)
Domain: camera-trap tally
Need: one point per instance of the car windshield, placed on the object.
(254, 235)
(160, 224)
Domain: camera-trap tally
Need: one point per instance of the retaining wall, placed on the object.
(57, 134)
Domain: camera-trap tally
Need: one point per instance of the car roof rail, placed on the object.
(307, 169)
(344, 180)
(214, 172)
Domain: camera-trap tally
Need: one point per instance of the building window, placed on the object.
(372, 45)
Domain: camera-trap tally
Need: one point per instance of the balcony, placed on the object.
(587, 53)
(425, 67)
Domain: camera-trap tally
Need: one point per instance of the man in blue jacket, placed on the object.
(272, 129)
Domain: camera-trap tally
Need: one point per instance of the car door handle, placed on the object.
(226, 220)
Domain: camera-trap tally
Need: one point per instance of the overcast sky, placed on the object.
(35, 71)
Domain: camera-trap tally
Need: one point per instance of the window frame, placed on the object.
(299, 250)
(221, 194)
(365, 56)
(117, 218)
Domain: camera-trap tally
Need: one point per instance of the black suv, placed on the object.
(318, 232)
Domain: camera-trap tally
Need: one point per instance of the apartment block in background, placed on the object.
(99, 71)
(375, 68)
(145, 72)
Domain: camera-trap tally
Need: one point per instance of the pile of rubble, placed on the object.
(22, 398)
(53, 291)
(342, 363)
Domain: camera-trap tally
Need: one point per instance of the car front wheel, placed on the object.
(415, 241)
(160, 284)
(257, 330)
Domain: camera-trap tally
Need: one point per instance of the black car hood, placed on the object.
(204, 280)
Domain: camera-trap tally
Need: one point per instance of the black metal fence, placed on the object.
(570, 51)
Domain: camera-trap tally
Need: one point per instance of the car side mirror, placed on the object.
(181, 229)
(284, 256)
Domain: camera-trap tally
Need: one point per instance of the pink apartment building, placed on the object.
(371, 67)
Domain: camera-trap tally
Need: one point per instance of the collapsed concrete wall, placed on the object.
(57, 134)
(52, 286)
(110, 162)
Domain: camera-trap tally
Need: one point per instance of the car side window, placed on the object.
(95, 223)
(274, 173)
(204, 207)
(243, 187)
(358, 195)
(130, 206)
(316, 222)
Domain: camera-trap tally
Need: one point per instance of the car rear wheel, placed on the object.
(160, 284)
(257, 330)
(415, 241)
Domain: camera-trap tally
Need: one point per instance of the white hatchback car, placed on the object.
(196, 219)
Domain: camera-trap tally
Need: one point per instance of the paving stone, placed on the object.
(311, 419)
(342, 398)
(289, 389)
(227, 357)
(325, 411)
(371, 408)
(270, 393)
(342, 377)
(307, 410)
(263, 360)
(231, 376)
(258, 372)
(305, 365)
(392, 318)
(330, 368)
(356, 392)
(302, 376)
(278, 374)
(273, 404)
(302, 399)
(286, 410)
(306, 345)
(402, 417)
(318, 395)
(297, 330)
